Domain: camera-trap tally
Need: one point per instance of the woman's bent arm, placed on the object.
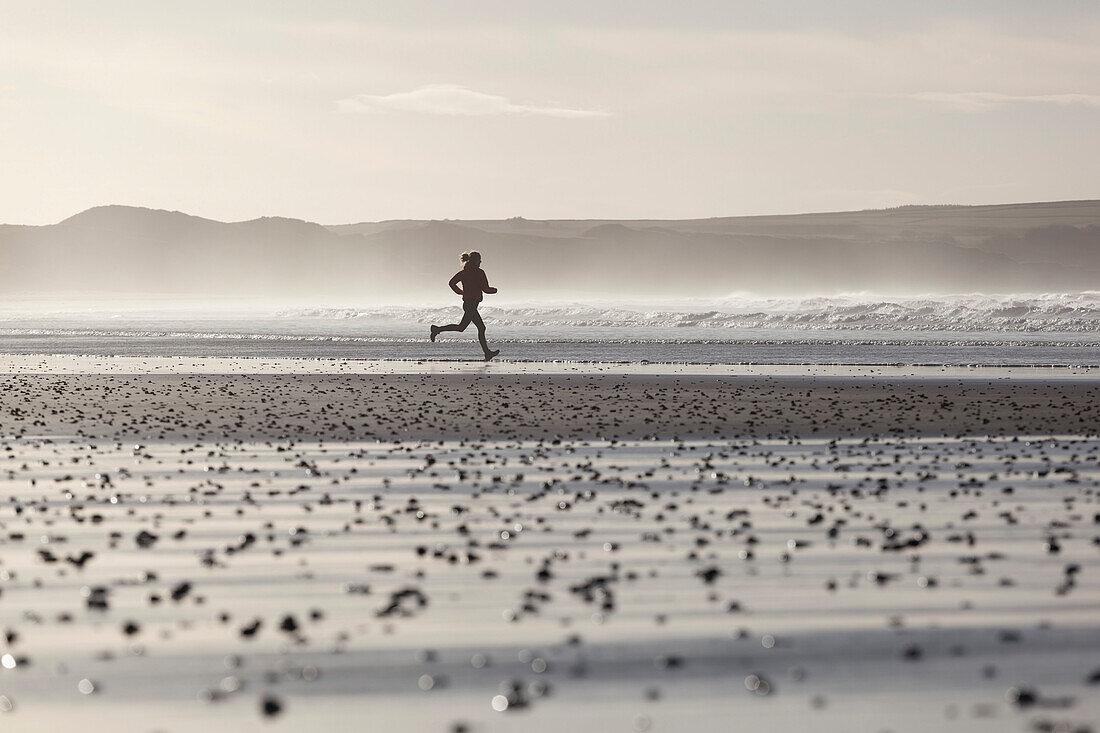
(486, 287)
(454, 282)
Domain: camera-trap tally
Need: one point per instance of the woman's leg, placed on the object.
(476, 317)
(481, 335)
(460, 326)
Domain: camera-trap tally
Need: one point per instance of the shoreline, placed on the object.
(1081, 350)
(124, 364)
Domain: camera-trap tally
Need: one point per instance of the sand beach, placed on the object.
(297, 544)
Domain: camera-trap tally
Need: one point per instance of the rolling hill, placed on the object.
(118, 249)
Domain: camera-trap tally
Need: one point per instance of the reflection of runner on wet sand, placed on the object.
(474, 283)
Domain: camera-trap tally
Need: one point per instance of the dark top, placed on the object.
(474, 283)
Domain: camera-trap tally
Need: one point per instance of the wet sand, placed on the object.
(295, 399)
(539, 552)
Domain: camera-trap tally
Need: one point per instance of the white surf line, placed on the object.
(91, 364)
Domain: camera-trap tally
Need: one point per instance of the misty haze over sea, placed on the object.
(1009, 284)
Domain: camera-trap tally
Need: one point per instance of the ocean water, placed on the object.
(1060, 329)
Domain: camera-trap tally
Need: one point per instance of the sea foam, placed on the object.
(1023, 313)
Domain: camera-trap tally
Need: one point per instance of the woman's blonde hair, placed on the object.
(473, 255)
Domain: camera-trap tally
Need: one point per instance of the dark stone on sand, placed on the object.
(145, 539)
(270, 706)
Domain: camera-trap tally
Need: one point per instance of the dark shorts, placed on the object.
(470, 306)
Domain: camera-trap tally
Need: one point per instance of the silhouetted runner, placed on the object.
(474, 283)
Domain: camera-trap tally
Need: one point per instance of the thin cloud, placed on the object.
(452, 100)
(987, 101)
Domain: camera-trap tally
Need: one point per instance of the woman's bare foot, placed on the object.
(435, 332)
(490, 354)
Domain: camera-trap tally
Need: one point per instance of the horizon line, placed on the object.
(520, 217)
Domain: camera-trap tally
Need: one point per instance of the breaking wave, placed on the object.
(1051, 312)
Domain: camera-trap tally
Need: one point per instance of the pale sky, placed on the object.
(350, 111)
